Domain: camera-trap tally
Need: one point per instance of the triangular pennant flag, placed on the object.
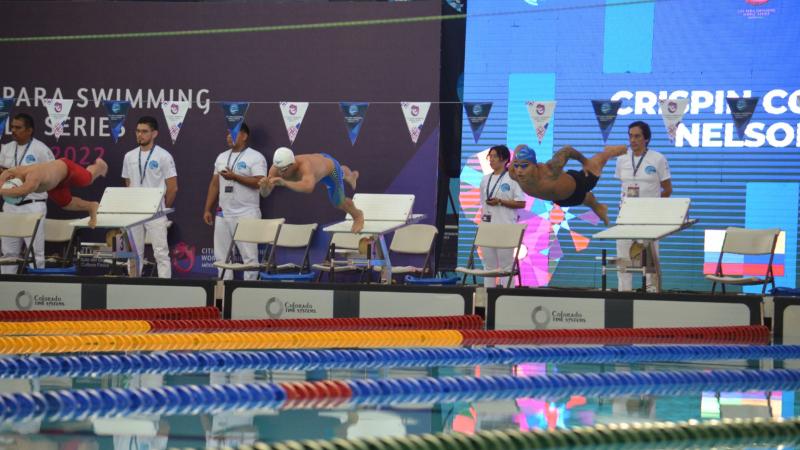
(117, 111)
(672, 111)
(6, 104)
(742, 110)
(477, 113)
(174, 113)
(605, 111)
(541, 113)
(354, 114)
(293, 113)
(415, 114)
(234, 116)
(58, 111)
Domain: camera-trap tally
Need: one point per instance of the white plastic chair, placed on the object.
(415, 239)
(251, 230)
(23, 226)
(496, 235)
(742, 241)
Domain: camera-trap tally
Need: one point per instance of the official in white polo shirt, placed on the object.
(234, 187)
(25, 150)
(501, 197)
(643, 173)
(149, 165)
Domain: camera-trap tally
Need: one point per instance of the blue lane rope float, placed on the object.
(203, 362)
(195, 399)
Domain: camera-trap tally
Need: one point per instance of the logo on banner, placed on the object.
(540, 113)
(605, 111)
(293, 113)
(415, 114)
(234, 116)
(174, 113)
(672, 111)
(477, 114)
(5, 110)
(117, 111)
(742, 110)
(58, 113)
(540, 317)
(24, 300)
(354, 114)
(183, 257)
(274, 308)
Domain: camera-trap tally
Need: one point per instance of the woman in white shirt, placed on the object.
(501, 197)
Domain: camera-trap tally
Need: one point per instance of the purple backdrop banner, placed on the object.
(380, 64)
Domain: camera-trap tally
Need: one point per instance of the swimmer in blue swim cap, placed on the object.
(549, 181)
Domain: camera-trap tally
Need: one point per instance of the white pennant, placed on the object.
(415, 114)
(293, 113)
(672, 111)
(541, 113)
(174, 113)
(58, 111)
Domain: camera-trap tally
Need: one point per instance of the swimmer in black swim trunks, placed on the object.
(548, 181)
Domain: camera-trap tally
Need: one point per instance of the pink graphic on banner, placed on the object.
(540, 114)
(672, 111)
(58, 112)
(174, 114)
(541, 250)
(293, 114)
(415, 114)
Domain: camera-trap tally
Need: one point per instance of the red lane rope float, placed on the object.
(471, 322)
(756, 334)
(188, 313)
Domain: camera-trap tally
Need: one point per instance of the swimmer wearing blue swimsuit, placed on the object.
(301, 173)
(549, 181)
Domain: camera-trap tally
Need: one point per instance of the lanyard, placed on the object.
(636, 166)
(21, 160)
(143, 170)
(488, 183)
(228, 164)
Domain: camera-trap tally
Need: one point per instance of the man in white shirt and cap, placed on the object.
(234, 187)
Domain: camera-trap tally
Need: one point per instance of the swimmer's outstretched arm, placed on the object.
(264, 186)
(29, 185)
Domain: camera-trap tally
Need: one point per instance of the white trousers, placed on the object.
(154, 231)
(224, 227)
(497, 258)
(625, 279)
(12, 247)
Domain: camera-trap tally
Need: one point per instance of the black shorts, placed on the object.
(583, 184)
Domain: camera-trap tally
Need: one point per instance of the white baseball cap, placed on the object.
(283, 158)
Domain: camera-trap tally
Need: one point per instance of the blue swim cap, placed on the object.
(526, 153)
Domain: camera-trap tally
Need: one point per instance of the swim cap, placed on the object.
(283, 158)
(526, 154)
(12, 183)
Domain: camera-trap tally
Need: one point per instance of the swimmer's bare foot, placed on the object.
(602, 211)
(352, 179)
(358, 222)
(98, 169)
(93, 214)
(616, 150)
